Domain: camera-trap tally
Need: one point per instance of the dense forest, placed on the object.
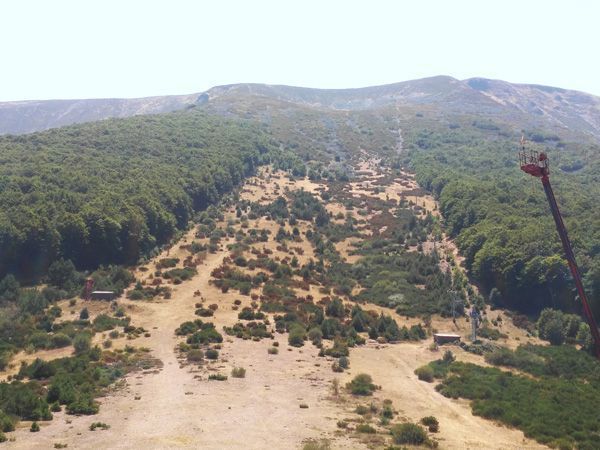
(112, 191)
(500, 216)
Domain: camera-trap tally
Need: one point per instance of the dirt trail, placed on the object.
(392, 367)
(177, 407)
(172, 409)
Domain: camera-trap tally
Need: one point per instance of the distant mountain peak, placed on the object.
(517, 102)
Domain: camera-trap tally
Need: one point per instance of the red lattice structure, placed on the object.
(537, 164)
(87, 290)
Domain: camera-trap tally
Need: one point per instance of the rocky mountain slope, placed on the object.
(29, 116)
(531, 105)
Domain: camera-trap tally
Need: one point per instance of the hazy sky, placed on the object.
(84, 48)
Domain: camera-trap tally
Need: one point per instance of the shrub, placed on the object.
(561, 404)
(315, 335)
(387, 411)
(344, 362)
(83, 405)
(60, 340)
(448, 357)
(217, 377)
(38, 369)
(490, 333)
(166, 263)
(361, 384)
(3, 437)
(84, 314)
(313, 444)
(103, 322)
(34, 427)
(238, 372)
(432, 423)
(273, 351)
(211, 353)
(206, 336)
(297, 335)
(409, 433)
(195, 355)
(365, 428)
(552, 326)
(101, 425)
(6, 422)
(181, 274)
(425, 373)
(339, 349)
(361, 410)
(82, 343)
(248, 314)
(205, 312)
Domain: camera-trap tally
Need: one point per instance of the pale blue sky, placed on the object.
(84, 49)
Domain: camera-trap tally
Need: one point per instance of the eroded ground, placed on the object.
(286, 398)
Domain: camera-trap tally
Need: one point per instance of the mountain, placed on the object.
(29, 116)
(528, 104)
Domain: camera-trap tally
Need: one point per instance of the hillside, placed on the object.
(534, 105)
(29, 116)
(281, 259)
(114, 191)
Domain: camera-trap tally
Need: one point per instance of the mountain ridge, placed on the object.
(565, 108)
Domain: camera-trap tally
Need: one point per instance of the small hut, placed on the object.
(103, 295)
(445, 338)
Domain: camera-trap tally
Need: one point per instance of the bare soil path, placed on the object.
(177, 407)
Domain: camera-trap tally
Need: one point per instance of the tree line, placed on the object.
(110, 192)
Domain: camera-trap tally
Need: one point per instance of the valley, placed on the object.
(280, 260)
(287, 398)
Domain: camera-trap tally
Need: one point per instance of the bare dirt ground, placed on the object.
(392, 366)
(178, 407)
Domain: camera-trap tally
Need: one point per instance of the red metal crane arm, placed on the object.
(562, 232)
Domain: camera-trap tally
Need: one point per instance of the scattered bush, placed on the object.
(82, 343)
(361, 384)
(166, 263)
(313, 444)
(217, 377)
(432, 423)
(100, 425)
(297, 335)
(365, 428)
(195, 355)
(205, 336)
(490, 333)
(425, 373)
(238, 372)
(409, 433)
(344, 362)
(205, 312)
(211, 353)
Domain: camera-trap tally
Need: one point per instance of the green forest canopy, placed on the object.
(110, 191)
(500, 216)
